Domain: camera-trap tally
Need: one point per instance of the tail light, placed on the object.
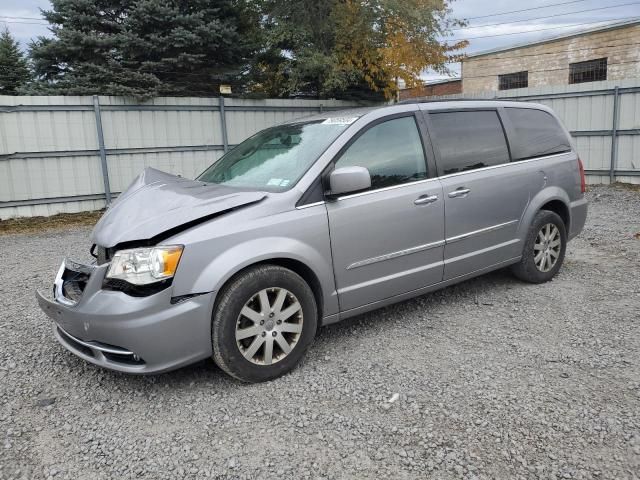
(583, 180)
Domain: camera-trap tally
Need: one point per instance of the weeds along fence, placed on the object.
(70, 154)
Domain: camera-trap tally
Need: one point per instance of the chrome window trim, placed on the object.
(463, 236)
(384, 189)
(507, 164)
(307, 205)
(426, 180)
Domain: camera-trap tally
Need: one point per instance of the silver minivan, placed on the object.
(314, 221)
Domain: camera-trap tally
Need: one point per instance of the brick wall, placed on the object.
(443, 88)
(619, 45)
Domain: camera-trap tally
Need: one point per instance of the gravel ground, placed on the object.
(492, 378)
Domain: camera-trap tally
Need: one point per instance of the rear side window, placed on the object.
(537, 133)
(469, 140)
(391, 151)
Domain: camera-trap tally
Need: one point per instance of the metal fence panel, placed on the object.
(51, 158)
(629, 153)
(583, 113)
(51, 153)
(123, 168)
(46, 177)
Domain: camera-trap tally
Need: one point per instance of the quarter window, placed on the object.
(391, 151)
(537, 133)
(469, 140)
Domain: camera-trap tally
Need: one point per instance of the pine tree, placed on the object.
(14, 72)
(144, 48)
(298, 58)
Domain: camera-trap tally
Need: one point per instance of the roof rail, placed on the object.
(428, 100)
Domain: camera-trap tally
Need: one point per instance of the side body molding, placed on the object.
(216, 251)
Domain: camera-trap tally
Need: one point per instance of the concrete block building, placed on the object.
(429, 89)
(605, 53)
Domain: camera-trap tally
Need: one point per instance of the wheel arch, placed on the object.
(296, 266)
(207, 272)
(552, 198)
(561, 208)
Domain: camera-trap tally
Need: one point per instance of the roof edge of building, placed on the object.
(604, 28)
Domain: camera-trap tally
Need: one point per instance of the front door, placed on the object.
(485, 195)
(389, 239)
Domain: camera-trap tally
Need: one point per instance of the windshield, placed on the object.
(275, 159)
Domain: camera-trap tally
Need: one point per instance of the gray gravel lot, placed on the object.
(496, 379)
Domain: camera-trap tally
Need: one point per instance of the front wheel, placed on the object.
(263, 323)
(544, 248)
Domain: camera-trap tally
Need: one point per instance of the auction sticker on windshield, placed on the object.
(340, 121)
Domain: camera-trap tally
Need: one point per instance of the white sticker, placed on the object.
(275, 182)
(339, 121)
(284, 183)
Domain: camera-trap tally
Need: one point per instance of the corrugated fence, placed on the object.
(61, 154)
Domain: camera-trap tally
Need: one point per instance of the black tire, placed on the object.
(526, 269)
(226, 315)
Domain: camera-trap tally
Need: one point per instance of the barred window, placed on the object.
(513, 80)
(589, 71)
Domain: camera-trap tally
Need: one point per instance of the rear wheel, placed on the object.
(264, 322)
(544, 248)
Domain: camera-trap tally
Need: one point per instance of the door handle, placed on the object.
(460, 192)
(425, 199)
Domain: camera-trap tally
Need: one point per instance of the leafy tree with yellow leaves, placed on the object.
(350, 48)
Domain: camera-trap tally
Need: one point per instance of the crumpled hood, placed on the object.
(157, 201)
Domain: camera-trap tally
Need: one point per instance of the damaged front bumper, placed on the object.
(111, 329)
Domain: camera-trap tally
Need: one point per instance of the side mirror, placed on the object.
(348, 180)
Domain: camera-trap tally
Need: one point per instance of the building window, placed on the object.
(513, 80)
(589, 71)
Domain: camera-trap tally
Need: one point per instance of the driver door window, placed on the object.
(392, 152)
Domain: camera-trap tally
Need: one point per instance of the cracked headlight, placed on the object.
(142, 266)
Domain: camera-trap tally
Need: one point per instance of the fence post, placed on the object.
(223, 122)
(103, 153)
(321, 108)
(614, 136)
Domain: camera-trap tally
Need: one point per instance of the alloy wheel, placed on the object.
(269, 326)
(546, 249)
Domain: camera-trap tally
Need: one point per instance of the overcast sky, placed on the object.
(558, 19)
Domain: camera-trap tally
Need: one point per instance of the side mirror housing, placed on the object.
(348, 180)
